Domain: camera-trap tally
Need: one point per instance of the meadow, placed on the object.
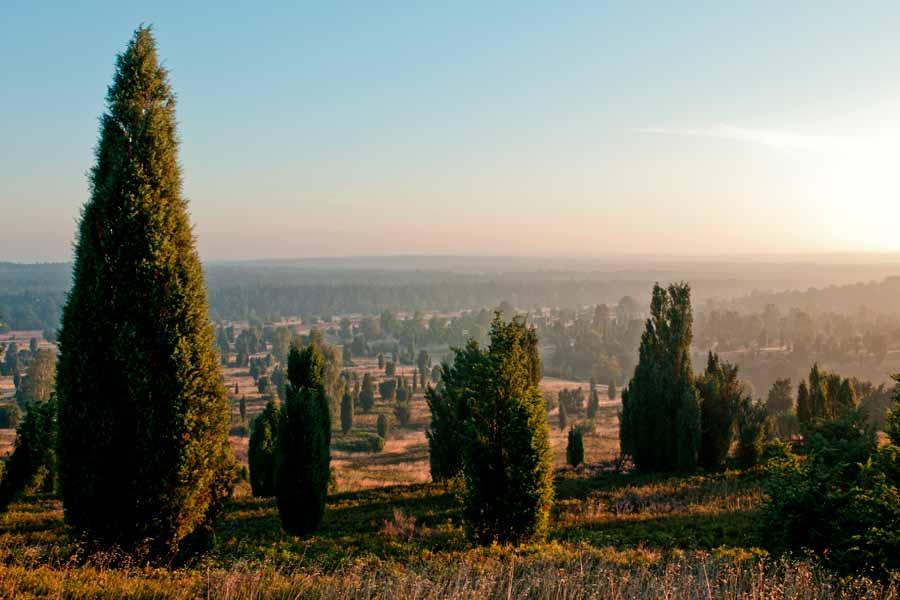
(391, 533)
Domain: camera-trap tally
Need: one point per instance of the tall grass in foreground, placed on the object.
(475, 577)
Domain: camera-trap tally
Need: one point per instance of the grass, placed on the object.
(390, 533)
(612, 536)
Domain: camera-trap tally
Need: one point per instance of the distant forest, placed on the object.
(31, 295)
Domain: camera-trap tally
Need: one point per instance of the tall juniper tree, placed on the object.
(143, 415)
(507, 460)
(660, 421)
(303, 458)
(721, 395)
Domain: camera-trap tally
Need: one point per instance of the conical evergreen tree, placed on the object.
(507, 462)
(303, 465)
(346, 412)
(660, 421)
(804, 410)
(367, 394)
(261, 450)
(721, 394)
(143, 415)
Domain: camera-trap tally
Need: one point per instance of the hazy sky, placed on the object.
(515, 128)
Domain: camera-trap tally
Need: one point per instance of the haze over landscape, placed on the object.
(463, 300)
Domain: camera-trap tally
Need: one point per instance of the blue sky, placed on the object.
(516, 128)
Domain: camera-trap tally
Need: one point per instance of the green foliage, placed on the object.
(804, 409)
(721, 394)
(563, 416)
(403, 411)
(424, 364)
(825, 396)
(874, 401)
(593, 403)
(11, 359)
(575, 447)
(390, 368)
(611, 390)
(780, 399)
(892, 418)
(367, 394)
(346, 412)
(387, 389)
(303, 453)
(752, 431)
(10, 416)
(383, 426)
(448, 403)
(839, 501)
(39, 380)
(358, 441)
(33, 463)
(660, 422)
(573, 400)
(144, 418)
(507, 461)
(261, 451)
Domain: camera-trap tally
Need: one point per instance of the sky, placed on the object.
(476, 128)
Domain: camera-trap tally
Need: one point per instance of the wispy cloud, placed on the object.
(779, 139)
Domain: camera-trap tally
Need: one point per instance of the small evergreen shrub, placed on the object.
(383, 426)
(262, 448)
(575, 447)
(838, 501)
(9, 416)
(346, 412)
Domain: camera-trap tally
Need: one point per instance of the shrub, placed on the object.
(575, 447)
(359, 441)
(261, 450)
(447, 403)
(376, 443)
(507, 461)
(144, 454)
(304, 440)
(563, 416)
(33, 461)
(367, 394)
(9, 416)
(383, 426)
(892, 418)
(387, 389)
(720, 396)
(752, 424)
(403, 411)
(346, 412)
(593, 404)
(839, 501)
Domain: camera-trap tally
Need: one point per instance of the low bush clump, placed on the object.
(839, 499)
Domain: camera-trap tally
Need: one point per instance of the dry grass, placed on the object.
(577, 576)
(390, 534)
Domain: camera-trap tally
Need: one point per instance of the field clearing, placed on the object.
(612, 536)
(404, 459)
(389, 531)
